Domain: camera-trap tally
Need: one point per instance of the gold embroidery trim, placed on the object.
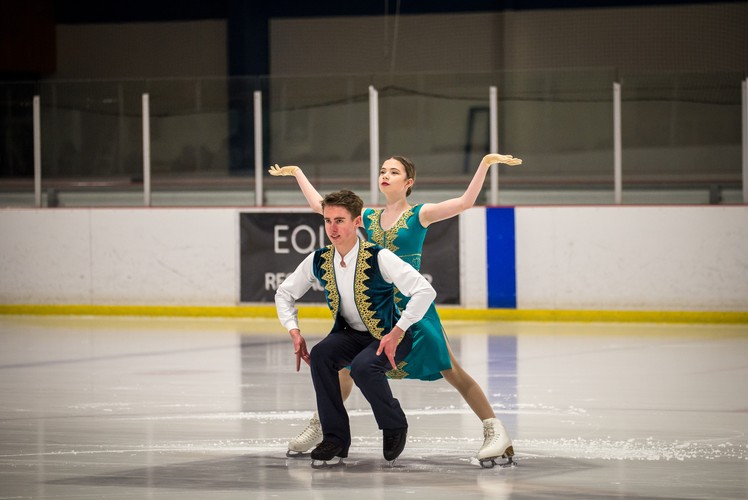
(399, 373)
(329, 277)
(387, 238)
(398, 298)
(377, 235)
(391, 234)
(363, 304)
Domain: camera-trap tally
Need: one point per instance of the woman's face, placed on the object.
(393, 178)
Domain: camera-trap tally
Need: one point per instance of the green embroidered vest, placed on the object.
(373, 295)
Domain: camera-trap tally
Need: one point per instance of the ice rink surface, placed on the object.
(166, 408)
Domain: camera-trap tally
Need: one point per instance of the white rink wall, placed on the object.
(673, 258)
(567, 258)
(119, 256)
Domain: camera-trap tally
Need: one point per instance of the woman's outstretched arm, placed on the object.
(310, 193)
(434, 212)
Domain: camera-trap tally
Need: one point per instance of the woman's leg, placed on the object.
(496, 441)
(346, 383)
(468, 388)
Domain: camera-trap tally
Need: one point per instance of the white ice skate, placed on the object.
(308, 439)
(496, 444)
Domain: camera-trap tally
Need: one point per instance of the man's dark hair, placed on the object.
(346, 199)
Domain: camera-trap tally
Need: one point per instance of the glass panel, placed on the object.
(201, 141)
(91, 143)
(320, 123)
(17, 144)
(559, 123)
(681, 137)
(440, 122)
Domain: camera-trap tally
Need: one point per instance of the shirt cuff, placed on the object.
(404, 323)
(291, 324)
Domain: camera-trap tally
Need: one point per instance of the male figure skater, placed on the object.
(368, 334)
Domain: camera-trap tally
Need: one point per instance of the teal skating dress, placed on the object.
(429, 355)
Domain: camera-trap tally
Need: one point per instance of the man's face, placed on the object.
(340, 226)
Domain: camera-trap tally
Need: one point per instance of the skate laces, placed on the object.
(489, 435)
(310, 433)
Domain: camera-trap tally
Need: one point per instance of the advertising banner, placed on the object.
(274, 243)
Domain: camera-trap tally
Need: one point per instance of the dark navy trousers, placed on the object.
(358, 350)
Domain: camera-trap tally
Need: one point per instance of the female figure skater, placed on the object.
(401, 228)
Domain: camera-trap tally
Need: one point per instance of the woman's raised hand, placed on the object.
(283, 171)
(492, 158)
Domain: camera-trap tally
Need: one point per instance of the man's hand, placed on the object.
(492, 158)
(299, 347)
(388, 345)
(283, 171)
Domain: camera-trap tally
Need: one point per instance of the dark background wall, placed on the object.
(30, 32)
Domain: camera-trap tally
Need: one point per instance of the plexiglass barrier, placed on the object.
(681, 137)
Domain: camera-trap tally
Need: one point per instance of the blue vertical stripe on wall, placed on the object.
(500, 257)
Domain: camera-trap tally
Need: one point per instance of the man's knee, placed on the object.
(321, 354)
(364, 366)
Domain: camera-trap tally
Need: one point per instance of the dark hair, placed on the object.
(346, 199)
(410, 170)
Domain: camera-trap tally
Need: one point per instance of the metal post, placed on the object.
(617, 145)
(37, 153)
(494, 140)
(121, 127)
(258, 147)
(146, 151)
(374, 144)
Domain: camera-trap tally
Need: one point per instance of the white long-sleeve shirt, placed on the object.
(393, 269)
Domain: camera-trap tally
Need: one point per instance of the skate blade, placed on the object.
(327, 464)
(297, 454)
(490, 462)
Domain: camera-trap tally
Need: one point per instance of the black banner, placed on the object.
(274, 243)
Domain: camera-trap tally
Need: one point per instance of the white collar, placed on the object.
(350, 256)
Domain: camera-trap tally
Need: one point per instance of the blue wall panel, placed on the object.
(500, 257)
